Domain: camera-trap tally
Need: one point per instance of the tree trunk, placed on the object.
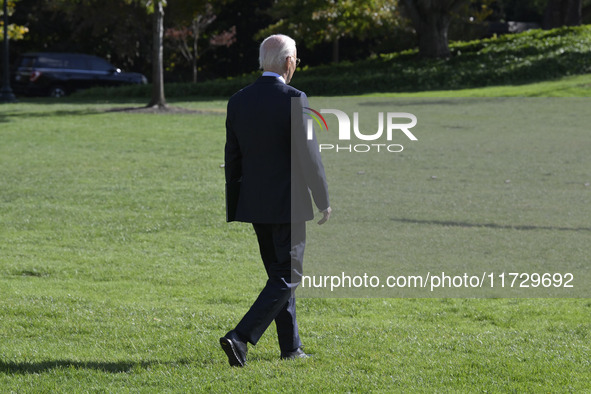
(586, 13)
(432, 36)
(335, 50)
(431, 21)
(195, 26)
(563, 13)
(158, 99)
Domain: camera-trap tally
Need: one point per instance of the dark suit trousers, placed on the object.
(282, 251)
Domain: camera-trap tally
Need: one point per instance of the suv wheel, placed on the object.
(57, 91)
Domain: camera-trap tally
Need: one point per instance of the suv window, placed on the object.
(50, 62)
(69, 62)
(27, 61)
(100, 64)
(76, 62)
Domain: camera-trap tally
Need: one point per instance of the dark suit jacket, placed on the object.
(259, 146)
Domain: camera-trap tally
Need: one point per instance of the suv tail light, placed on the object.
(34, 76)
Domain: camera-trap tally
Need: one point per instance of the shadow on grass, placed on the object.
(424, 101)
(81, 112)
(7, 117)
(488, 225)
(110, 367)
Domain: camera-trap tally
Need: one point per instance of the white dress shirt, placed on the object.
(272, 74)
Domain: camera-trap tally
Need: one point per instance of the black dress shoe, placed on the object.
(235, 349)
(298, 353)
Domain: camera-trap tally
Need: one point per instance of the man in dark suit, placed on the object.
(276, 167)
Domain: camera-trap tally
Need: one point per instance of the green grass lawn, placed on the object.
(574, 86)
(118, 273)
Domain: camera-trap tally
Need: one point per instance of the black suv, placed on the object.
(58, 74)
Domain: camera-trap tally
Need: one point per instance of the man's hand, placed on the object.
(326, 216)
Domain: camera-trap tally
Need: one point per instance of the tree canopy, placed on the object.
(15, 32)
(317, 21)
(219, 38)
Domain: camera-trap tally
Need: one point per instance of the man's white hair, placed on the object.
(274, 50)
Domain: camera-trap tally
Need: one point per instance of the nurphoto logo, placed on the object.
(393, 123)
